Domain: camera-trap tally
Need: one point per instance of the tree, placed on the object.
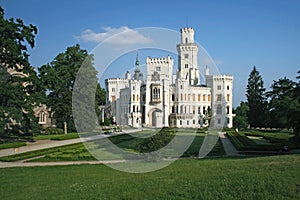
(241, 119)
(58, 79)
(285, 104)
(257, 102)
(18, 78)
(281, 97)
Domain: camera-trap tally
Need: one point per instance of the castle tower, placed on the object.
(138, 75)
(188, 57)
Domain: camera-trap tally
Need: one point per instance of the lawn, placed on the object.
(57, 136)
(129, 143)
(7, 145)
(275, 177)
(254, 140)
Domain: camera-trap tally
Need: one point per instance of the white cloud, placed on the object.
(118, 36)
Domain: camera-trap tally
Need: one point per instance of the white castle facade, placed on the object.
(160, 100)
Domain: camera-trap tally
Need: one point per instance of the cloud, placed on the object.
(118, 36)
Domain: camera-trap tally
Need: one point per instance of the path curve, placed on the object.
(228, 146)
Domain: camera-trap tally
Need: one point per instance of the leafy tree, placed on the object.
(257, 102)
(57, 79)
(241, 119)
(281, 97)
(18, 79)
(285, 104)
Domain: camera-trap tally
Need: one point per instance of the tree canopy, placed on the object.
(256, 99)
(18, 80)
(58, 78)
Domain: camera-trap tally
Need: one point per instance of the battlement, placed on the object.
(159, 61)
(187, 30)
(116, 80)
(220, 77)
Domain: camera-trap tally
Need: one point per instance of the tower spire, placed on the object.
(137, 63)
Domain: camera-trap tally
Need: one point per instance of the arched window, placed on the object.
(227, 109)
(186, 40)
(156, 94)
(42, 117)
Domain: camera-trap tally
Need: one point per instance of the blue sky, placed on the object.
(236, 34)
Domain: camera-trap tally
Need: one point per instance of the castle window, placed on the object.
(156, 93)
(199, 97)
(186, 40)
(219, 87)
(208, 97)
(228, 97)
(189, 97)
(193, 109)
(219, 97)
(133, 88)
(181, 97)
(180, 122)
(133, 97)
(186, 55)
(113, 89)
(186, 65)
(193, 97)
(157, 68)
(187, 122)
(194, 122)
(133, 108)
(199, 110)
(203, 110)
(137, 97)
(219, 110)
(42, 117)
(173, 109)
(113, 98)
(204, 97)
(173, 97)
(228, 120)
(227, 87)
(219, 121)
(227, 109)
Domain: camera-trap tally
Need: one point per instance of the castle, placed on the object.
(160, 100)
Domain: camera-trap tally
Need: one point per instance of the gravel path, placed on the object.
(228, 146)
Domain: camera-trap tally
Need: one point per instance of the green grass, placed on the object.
(129, 143)
(275, 177)
(68, 152)
(8, 145)
(57, 137)
(254, 140)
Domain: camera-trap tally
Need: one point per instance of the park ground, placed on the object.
(226, 173)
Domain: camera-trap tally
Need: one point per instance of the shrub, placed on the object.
(157, 141)
(53, 131)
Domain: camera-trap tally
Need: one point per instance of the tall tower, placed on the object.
(138, 75)
(188, 57)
